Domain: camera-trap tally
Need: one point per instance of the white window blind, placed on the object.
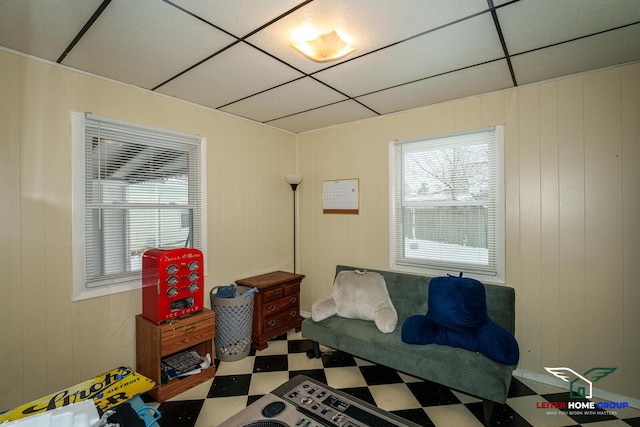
(142, 188)
(447, 208)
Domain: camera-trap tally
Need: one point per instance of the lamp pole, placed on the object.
(294, 181)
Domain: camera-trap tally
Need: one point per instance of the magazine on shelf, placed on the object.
(185, 363)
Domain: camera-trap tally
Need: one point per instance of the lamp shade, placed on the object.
(294, 179)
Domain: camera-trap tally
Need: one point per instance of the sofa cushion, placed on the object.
(457, 316)
(358, 295)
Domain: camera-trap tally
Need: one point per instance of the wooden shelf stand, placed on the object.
(153, 342)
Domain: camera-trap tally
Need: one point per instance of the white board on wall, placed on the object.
(340, 196)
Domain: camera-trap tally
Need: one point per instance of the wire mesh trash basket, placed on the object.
(234, 320)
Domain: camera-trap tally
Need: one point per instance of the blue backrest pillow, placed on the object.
(457, 316)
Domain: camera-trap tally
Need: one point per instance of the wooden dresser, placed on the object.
(153, 342)
(276, 308)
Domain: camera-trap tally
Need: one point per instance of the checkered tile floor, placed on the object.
(240, 383)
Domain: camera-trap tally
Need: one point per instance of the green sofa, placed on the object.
(462, 370)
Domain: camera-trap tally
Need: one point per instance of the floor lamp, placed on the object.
(293, 181)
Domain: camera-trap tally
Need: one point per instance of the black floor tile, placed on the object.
(503, 415)
(182, 413)
(251, 399)
(274, 363)
(299, 346)
(362, 393)
(337, 359)
(418, 416)
(316, 374)
(282, 337)
(518, 389)
(230, 385)
(431, 394)
(377, 374)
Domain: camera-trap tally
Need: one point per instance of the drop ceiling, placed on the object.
(236, 56)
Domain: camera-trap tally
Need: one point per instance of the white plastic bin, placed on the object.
(234, 322)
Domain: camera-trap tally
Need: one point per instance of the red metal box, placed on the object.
(172, 283)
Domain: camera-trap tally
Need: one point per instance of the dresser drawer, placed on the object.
(280, 319)
(176, 337)
(292, 289)
(272, 293)
(281, 304)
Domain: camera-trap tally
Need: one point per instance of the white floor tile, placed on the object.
(409, 378)
(293, 335)
(215, 411)
(239, 367)
(275, 347)
(345, 377)
(452, 415)
(196, 392)
(394, 397)
(265, 382)
(465, 398)
(362, 362)
(300, 362)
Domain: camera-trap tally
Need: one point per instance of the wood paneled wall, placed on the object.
(572, 215)
(48, 343)
(572, 192)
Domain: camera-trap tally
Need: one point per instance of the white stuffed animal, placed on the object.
(358, 295)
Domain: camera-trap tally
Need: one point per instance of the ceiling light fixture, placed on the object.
(324, 48)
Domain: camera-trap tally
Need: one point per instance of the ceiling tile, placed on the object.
(236, 56)
(614, 47)
(229, 76)
(43, 28)
(476, 41)
(341, 112)
(301, 95)
(144, 43)
(372, 24)
(239, 17)
(530, 25)
(460, 84)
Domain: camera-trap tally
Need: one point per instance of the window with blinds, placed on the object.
(447, 205)
(136, 188)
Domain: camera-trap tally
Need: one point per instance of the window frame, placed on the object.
(124, 282)
(436, 268)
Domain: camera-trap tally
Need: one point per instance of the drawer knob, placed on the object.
(271, 307)
(293, 313)
(271, 322)
(293, 300)
(275, 292)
